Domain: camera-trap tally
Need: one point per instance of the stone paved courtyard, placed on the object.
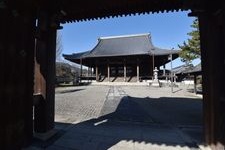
(80, 103)
(101, 117)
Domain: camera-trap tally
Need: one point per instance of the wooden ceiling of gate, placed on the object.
(82, 10)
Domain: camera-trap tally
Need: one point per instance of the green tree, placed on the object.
(190, 50)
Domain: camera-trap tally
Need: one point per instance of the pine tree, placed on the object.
(190, 50)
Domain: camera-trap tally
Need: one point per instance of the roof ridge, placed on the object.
(123, 36)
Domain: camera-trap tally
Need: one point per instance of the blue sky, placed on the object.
(167, 31)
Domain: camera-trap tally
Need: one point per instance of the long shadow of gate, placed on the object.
(135, 123)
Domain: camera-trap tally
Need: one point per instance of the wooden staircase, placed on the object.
(120, 79)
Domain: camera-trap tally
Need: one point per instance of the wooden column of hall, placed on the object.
(152, 66)
(108, 71)
(125, 71)
(212, 36)
(96, 72)
(45, 59)
(16, 77)
(91, 72)
(137, 70)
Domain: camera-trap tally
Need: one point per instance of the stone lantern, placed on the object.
(155, 81)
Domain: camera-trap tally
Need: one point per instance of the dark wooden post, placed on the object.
(212, 35)
(164, 70)
(16, 77)
(45, 58)
(195, 83)
(116, 70)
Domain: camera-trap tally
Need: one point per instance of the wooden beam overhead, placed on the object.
(79, 10)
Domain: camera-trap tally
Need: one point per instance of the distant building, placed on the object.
(123, 58)
(184, 71)
(180, 71)
(188, 74)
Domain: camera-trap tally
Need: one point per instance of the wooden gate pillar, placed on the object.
(212, 36)
(45, 74)
(16, 77)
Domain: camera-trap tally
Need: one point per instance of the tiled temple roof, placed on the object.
(126, 45)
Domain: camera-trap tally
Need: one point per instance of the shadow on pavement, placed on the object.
(135, 123)
(68, 91)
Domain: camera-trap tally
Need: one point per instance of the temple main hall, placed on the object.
(125, 58)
